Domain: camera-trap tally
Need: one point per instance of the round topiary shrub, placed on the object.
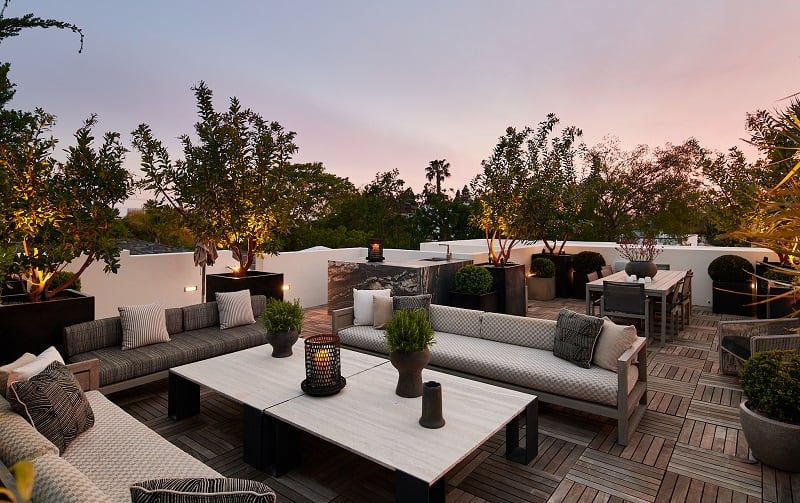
(730, 269)
(587, 261)
(473, 279)
(542, 267)
(771, 381)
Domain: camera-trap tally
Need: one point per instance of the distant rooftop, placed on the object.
(141, 247)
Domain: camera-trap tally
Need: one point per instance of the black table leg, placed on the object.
(514, 451)
(258, 430)
(184, 397)
(413, 490)
(286, 447)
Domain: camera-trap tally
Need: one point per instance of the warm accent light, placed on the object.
(286, 287)
(375, 250)
(190, 288)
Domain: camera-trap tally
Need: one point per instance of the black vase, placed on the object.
(282, 342)
(641, 269)
(432, 405)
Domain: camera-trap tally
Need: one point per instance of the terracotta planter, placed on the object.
(409, 366)
(772, 442)
(282, 342)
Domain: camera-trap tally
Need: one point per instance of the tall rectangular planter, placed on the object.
(486, 302)
(509, 283)
(258, 282)
(732, 298)
(32, 327)
(563, 272)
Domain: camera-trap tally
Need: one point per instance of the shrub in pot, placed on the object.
(408, 335)
(771, 415)
(583, 263)
(542, 281)
(732, 277)
(283, 321)
(473, 289)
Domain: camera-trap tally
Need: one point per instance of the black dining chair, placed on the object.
(594, 297)
(626, 300)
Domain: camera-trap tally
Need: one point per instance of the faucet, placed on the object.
(449, 255)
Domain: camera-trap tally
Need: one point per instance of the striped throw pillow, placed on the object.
(143, 325)
(201, 490)
(54, 403)
(235, 309)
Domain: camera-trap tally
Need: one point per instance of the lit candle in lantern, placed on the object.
(322, 366)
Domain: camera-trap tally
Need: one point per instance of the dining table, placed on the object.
(659, 287)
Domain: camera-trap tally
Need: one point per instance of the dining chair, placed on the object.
(594, 297)
(626, 300)
(663, 267)
(606, 270)
(686, 299)
(674, 311)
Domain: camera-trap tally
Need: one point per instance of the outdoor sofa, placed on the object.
(101, 463)
(194, 333)
(517, 352)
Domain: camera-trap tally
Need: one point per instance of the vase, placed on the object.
(641, 269)
(282, 342)
(431, 405)
(409, 365)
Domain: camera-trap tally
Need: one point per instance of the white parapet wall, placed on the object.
(162, 278)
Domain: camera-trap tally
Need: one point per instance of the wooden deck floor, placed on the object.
(688, 447)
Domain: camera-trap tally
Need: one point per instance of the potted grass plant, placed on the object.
(283, 321)
(408, 335)
(770, 416)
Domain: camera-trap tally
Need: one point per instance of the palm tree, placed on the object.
(439, 170)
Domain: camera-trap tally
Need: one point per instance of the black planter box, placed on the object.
(509, 283)
(563, 273)
(258, 282)
(486, 302)
(32, 327)
(732, 298)
(579, 280)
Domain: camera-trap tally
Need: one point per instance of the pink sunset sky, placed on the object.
(370, 85)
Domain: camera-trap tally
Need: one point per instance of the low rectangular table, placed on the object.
(366, 417)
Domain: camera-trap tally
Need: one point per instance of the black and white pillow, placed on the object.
(412, 302)
(54, 403)
(235, 308)
(201, 490)
(142, 325)
(575, 337)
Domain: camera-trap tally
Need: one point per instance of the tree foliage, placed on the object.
(235, 186)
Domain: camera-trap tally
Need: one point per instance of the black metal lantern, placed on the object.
(374, 250)
(323, 366)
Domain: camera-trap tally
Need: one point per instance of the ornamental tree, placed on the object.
(235, 186)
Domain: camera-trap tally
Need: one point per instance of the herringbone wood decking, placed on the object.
(688, 447)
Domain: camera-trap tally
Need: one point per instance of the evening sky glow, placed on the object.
(370, 86)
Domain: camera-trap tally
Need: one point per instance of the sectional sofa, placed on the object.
(517, 352)
(194, 333)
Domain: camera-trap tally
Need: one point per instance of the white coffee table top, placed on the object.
(369, 419)
(253, 377)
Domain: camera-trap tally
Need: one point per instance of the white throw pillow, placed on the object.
(32, 367)
(362, 305)
(235, 309)
(613, 341)
(6, 369)
(143, 325)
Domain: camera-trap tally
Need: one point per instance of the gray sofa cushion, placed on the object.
(364, 337)
(174, 316)
(200, 316)
(57, 480)
(519, 330)
(92, 335)
(20, 440)
(455, 320)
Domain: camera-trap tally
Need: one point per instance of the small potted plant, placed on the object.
(473, 289)
(583, 263)
(408, 335)
(283, 321)
(542, 281)
(732, 281)
(771, 415)
(640, 254)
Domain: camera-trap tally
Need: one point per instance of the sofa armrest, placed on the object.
(341, 319)
(635, 356)
(87, 373)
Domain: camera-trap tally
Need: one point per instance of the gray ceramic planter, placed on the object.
(772, 442)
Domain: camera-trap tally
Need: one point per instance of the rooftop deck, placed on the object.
(688, 447)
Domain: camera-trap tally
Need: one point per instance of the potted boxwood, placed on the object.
(408, 335)
(473, 289)
(732, 282)
(771, 415)
(283, 321)
(583, 263)
(542, 281)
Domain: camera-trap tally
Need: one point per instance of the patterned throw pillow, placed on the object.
(575, 337)
(235, 309)
(413, 302)
(143, 325)
(201, 490)
(613, 341)
(54, 403)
